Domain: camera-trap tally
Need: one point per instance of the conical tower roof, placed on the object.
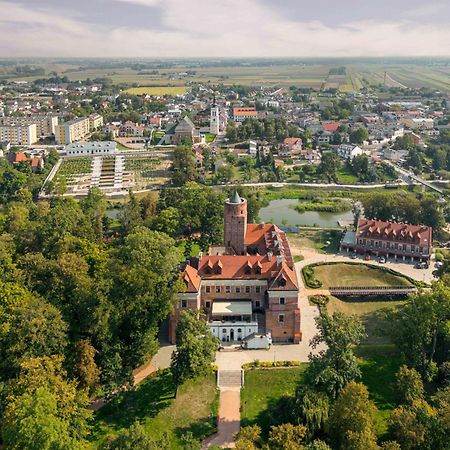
(235, 198)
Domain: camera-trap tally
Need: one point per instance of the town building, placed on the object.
(18, 134)
(248, 285)
(72, 131)
(130, 128)
(45, 123)
(291, 146)
(184, 130)
(95, 148)
(349, 151)
(95, 122)
(241, 114)
(390, 239)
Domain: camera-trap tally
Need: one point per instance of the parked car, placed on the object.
(367, 258)
(382, 259)
(422, 265)
(353, 256)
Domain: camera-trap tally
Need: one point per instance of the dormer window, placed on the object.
(282, 282)
(218, 270)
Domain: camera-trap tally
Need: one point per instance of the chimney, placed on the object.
(269, 256)
(279, 260)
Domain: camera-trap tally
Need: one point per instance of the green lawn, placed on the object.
(345, 176)
(356, 275)
(262, 390)
(154, 405)
(379, 365)
(265, 388)
(316, 239)
(371, 314)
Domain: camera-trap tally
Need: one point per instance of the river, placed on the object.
(281, 213)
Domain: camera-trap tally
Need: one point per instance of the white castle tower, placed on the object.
(214, 119)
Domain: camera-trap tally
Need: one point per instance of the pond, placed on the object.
(281, 210)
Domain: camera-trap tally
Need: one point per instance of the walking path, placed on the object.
(229, 382)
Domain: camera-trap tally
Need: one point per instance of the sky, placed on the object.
(225, 28)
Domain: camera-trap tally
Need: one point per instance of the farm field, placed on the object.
(313, 75)
(356, 275)
(157, 90)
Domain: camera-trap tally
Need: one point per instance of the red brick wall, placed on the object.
(235, 226)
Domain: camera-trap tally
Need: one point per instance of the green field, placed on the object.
(263, 389)
(302, 74)
(157, 90)
(154, 405)
(356, 275)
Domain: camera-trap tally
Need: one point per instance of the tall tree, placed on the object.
(333, 367)
(196, 347)
(352, 420)
(420, 329)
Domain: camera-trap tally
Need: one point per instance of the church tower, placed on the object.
(235, 224)
(214, 119)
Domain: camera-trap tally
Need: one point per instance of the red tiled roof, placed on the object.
(292, 141)
(236, 267)
(330, 126)
(244, 112)
(19, 157)
(401, 232)
(191, 279)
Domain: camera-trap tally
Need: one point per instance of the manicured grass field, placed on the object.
(154, 405)
(262, 390)
(371, 314)
(356, 275)
(158, 90)
(265, 388)
(378, 365)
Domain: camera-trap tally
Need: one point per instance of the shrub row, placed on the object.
(267, 364)
(309, 277)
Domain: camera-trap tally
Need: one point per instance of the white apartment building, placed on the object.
(348, 151)
(18, 134)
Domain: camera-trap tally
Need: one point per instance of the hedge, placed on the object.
(256, 364)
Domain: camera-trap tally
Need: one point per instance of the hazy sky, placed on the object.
(158, 28)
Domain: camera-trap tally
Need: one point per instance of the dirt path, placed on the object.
(229, 419)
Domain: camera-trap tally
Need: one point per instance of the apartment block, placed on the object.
(18, 134)
(95, 122)
(72, 131)
(45, 123)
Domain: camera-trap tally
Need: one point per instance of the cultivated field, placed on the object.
(158, 90)
(273, 74)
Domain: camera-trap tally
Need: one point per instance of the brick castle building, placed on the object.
(246, 286)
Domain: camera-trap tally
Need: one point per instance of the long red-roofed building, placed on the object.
(249, 285)
(391, 239)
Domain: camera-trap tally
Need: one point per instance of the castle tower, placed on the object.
(214, 120)
(235, 224)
